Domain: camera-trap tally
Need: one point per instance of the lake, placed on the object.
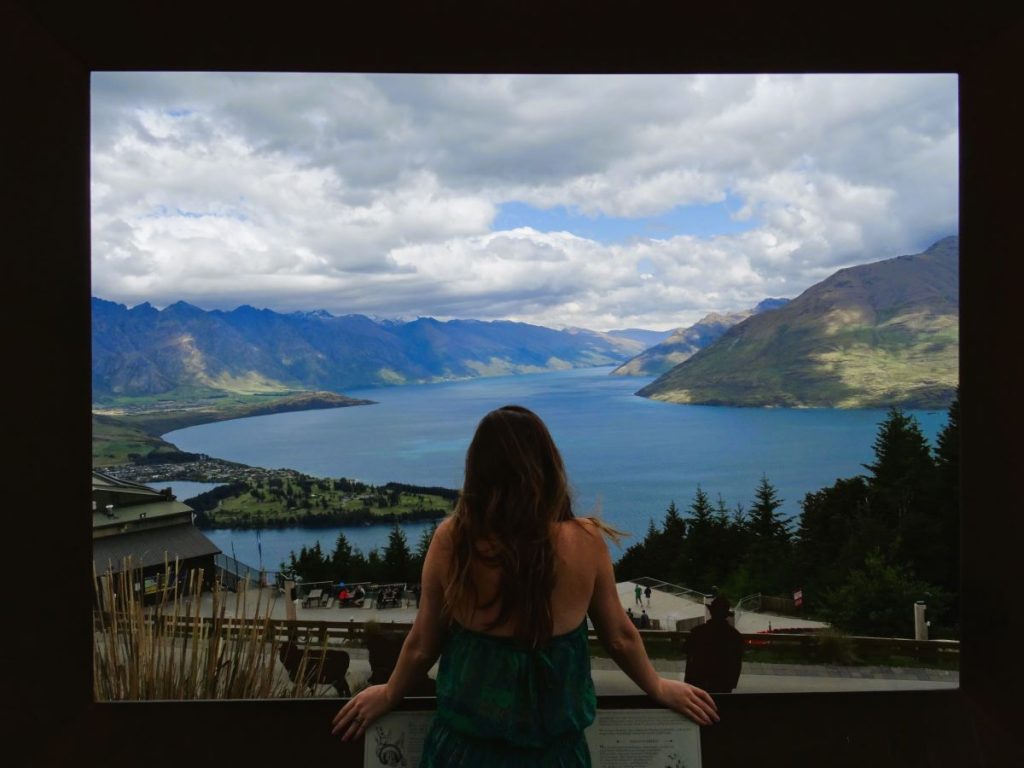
(627, 456)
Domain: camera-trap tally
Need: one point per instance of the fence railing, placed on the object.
(232, 572)
(342, 633)
(750, 603)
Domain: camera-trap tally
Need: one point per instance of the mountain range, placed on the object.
(144, 351)
(683, 343)
(879, 334)
(875, 335)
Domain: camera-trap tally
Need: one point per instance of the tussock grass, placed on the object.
(171, 651)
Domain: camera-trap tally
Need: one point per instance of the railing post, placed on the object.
(289, 602)
(920, 625)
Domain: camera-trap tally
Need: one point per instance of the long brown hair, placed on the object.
(515, 487)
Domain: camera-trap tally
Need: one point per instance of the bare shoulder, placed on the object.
(443, 532)
(585, 532)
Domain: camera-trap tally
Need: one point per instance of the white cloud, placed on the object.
(377, 193)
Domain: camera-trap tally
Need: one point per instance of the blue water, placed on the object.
(626, 456)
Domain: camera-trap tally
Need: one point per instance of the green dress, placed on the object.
(500, 704)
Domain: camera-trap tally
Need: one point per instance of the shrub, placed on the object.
(171, 650)
(834, 647)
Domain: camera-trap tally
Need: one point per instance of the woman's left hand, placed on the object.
(362, 709)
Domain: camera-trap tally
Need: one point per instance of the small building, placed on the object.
(138, 528)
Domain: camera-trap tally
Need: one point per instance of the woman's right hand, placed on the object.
(689, 700)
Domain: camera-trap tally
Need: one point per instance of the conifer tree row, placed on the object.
(397, 563)
(862, 550)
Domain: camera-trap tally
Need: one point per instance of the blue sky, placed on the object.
(706, 220)
(451, 196)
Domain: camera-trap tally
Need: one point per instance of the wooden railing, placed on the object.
(351, 633)
(809, 643)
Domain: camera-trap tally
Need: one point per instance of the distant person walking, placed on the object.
(645, 620)
(714, 651)
(638, 592)
(647, 594)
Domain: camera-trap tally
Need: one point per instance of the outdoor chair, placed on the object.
(323, 666)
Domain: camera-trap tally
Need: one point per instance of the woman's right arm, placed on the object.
(420, 650)
(624, 644)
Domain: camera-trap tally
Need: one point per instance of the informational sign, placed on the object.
(619, 738)
(798, 597)
(643, 738)
(396, 740)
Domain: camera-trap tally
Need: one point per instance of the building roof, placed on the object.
(116, 503)
(121, 515)
(104, 482)
(147, 547)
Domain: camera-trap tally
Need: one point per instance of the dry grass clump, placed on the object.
(170, 650)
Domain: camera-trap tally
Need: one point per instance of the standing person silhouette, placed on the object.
(714, 651)
(508, 582)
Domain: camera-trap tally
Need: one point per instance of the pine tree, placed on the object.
(947, 448)
(421, 549)
(674, 527)
(903, 468)
(425, 538)
(341, 557)
(375, 569)
(666, 559)
(764, 523)
(834, 535)
(641, 558)
(901, 492)
(397, 557)
(947, 502)
(652, 533)
(767, 563)
(694, 566)
(700, 510)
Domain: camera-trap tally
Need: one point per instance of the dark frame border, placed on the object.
(51, 50)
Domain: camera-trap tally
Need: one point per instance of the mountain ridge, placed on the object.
(684, 342)
(874, 335)
(143, 351)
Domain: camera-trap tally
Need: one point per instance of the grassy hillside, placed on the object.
(116, 442)
(134, 425)
(870, 336)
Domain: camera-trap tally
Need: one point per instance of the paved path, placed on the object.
(669, 609)
(666, 607)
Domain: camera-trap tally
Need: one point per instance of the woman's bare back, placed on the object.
(575, 571)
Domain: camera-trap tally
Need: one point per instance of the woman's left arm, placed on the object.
(419, 652)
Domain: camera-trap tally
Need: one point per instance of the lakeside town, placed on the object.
(202, 470)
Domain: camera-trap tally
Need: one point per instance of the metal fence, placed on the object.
(232, 573)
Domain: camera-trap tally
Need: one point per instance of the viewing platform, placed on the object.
(756, 677)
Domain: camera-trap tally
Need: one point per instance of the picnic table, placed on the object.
(315, 597)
